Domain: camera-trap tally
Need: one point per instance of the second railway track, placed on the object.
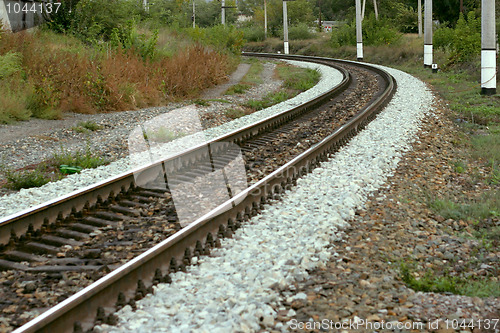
(126, 220)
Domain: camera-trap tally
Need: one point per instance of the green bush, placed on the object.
(13, 103)
(443, 38)
(63, 20)
(379, 32)
(96, 20)
(14, 90)
(464, 42)
(83, 159)
(345, 35)
(10, 64)
(406, 18)
(254, 33)
(298, 32)
(106, 24)
(375, 32)
(219, 36)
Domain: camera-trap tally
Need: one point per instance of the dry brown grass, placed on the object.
(79, 79)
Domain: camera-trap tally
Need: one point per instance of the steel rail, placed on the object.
(203, 233)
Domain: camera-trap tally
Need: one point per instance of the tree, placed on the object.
(299, 11)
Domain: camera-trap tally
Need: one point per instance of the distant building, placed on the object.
(328, 26)
(244, 18)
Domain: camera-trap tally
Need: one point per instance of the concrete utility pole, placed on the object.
(428, 34)
(265, 18)
(488, 48)
(419, 18)
(194, 16)
(223, 14)
(359, 32)
(285, 27)
(364, 8)
(319, 18)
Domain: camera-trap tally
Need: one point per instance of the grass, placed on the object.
(220, 100)
(162, 134)
(268, 100)
(236, 113)
(17, 180)
(201, 102)
(251, 78)
(83, 159)
(484, 207)
(297, 78)
(86, 126)
(55, 168)
(238, 88)
(431, 282)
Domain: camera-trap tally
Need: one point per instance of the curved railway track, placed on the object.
(292, 142)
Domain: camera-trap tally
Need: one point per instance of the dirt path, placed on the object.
(234, 78)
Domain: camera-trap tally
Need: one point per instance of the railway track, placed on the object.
(276, 151)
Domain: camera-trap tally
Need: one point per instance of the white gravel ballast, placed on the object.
(235, 288)
(29, 198)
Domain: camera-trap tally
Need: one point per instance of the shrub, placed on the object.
(379, 32)
(63, 20)
(14, 90)
(466, 39)
(10, 64)
(62, 75)
(96, 20)
(375, 32)
(254, 33)
(406, 18)
(13, 104)
(219, 36)
(443, 37)
(299, 31)
(345, 35)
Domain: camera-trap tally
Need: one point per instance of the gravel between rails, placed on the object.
(235, 289)
(28, 198)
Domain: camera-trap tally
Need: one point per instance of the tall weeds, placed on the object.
(61, 74)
